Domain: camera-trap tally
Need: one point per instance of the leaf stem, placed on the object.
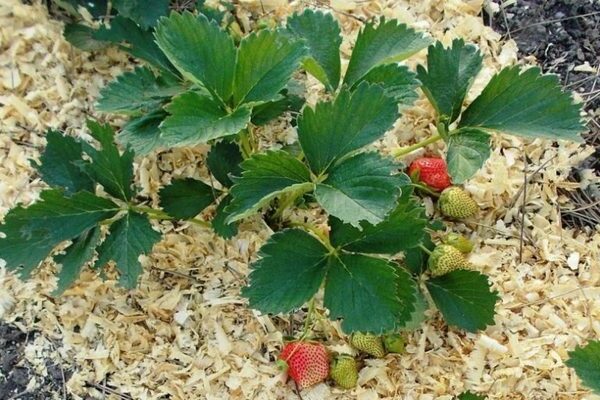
(402, 151)
(311, 310)
(425, 249)
(161, 215)
(245, 143)
(317, 232)
(425, 189)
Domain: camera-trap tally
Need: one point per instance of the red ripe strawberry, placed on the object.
(432, 171)
(307, 363)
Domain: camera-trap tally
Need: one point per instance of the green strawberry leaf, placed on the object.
(398, 82)
(407, 295)
(128, 238)
(136, 92)
(586, 362)
(219, 221)
(323, 38)
(525, 103)
(82, 37)
(387, 43)
(142, 134)
(449, 75)
(186, 198)
(464, 299)
(196, 118)
(266, 176)
(74, 258)
(144, 13)
(470, 396)
(59, 167)
(291, 268)
(266, 61)
(468, 150)
(417, 316)
(135, 41)
(363, 292)
(224, 161)
(353, 120)
(402, 229)
(109, 168)
(32, 232)
(364, 187)
(200, 50)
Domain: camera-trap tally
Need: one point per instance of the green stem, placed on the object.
(289, 199)
(311, 310)
(402, 151)
(317, 232)
(425, 189)
(161, 215)
(425, 249)
(245, 143)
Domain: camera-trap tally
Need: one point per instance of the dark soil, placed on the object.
(15, 371)
(563, 34)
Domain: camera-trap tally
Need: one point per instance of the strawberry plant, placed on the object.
(363, 237)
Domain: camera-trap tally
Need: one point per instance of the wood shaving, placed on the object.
(185, 332)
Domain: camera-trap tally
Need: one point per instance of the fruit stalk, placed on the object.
(402, 151)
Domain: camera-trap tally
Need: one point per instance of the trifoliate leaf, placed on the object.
(289, 272)
(586, 362)
(266, 176)
(109, 168)
(363, 291)
(464, 299)
(82, 37)
(470, 396)
(407, 295)
(59, 167)
(266, 61)
(449, 75)
(468, 150)
(135, 41)
(364, 187)
(398, 82)
(386, 43)
(219, 224)
(32, 232)
(136, 92)
(200, 50)
(224, 161)
(145, 13)
(74, 258)
(353, 120)
(323, 37)
(197, 118)
(525, 103)
(142, 133)
(127, 239)
(401, 230)
(186, 198)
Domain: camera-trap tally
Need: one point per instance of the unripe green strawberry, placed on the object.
(344, 371)
(459, 242)
(456, 203)
(445, 259)
(394, 343)
(368, 343)
(306, 363)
